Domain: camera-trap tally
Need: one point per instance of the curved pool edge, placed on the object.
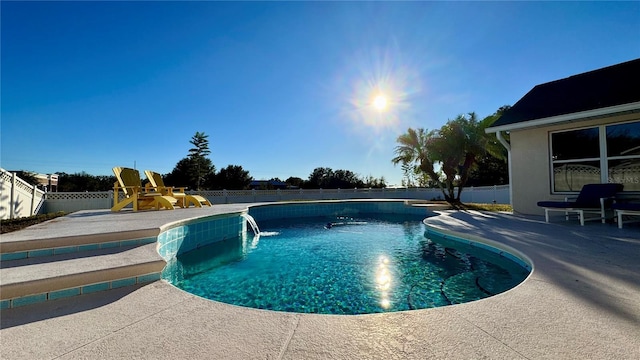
(505, 251)
(501, 249)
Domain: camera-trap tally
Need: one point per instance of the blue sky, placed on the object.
(280, 87)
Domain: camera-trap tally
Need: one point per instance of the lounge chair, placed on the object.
(630, 208)
(184, 200)
(128, 180)
(593, 199)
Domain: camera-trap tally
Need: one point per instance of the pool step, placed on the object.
(20, 245)
(35, 279)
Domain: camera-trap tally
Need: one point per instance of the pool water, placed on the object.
(342, 265)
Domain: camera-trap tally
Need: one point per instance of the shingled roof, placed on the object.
(610, 86)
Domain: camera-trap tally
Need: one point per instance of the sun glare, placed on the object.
(380, 102)
(382, 85)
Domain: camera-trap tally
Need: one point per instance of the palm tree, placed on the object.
(414, 150)
(468, 142)
(456, 148)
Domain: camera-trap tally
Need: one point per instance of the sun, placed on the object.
(380, 102)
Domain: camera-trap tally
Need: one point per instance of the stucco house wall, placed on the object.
(531, 168)
(609, 95)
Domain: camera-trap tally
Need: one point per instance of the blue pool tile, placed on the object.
(88, 247)
(130, 242)
(41, 252)
(28, 300)
(64, 293)
(95, 287)
(5, 304)
(123, 282)
(148, 240)
(109, 245)
(65, 250)
(13, 256)
(162, 250)
(149, 278)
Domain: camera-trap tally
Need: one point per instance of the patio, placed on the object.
(581, 302)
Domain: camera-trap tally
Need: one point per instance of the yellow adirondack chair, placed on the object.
(184, 199)
(128, 180)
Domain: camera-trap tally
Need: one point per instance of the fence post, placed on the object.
(33, 200)
(111, 195)
(12, 200)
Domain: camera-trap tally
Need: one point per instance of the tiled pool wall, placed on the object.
(332, 208)
(504, 251)
(193, 234)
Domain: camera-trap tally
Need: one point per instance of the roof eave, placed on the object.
(553, 120)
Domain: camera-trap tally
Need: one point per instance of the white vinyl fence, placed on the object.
(75, 201)
(18, 198)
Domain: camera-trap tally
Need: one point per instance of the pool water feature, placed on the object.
(344, 265)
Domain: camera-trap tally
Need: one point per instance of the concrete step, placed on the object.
(35, 279)
(22, 245)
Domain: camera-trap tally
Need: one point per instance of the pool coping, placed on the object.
(575, 305)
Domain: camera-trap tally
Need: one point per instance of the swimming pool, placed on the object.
(346, 262)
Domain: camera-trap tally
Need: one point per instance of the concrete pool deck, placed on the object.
(582, 301)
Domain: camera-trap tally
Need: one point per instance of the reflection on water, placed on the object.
(383, 281)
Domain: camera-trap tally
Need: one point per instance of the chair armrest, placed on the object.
(117, 188)
(166, 190)
(178, 188)
(127, 187)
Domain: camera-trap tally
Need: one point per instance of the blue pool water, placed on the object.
(358, 265)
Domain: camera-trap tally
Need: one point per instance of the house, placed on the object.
(268, 184)
(47, 182)
(573, 131)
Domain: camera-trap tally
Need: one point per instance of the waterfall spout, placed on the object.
(252, 223)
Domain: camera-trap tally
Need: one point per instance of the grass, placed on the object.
(9, 225)
(475, 206)
(486, 207)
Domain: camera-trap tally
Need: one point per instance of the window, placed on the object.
(623, 155)
(607, 153)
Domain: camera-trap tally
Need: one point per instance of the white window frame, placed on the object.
(603, 158)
